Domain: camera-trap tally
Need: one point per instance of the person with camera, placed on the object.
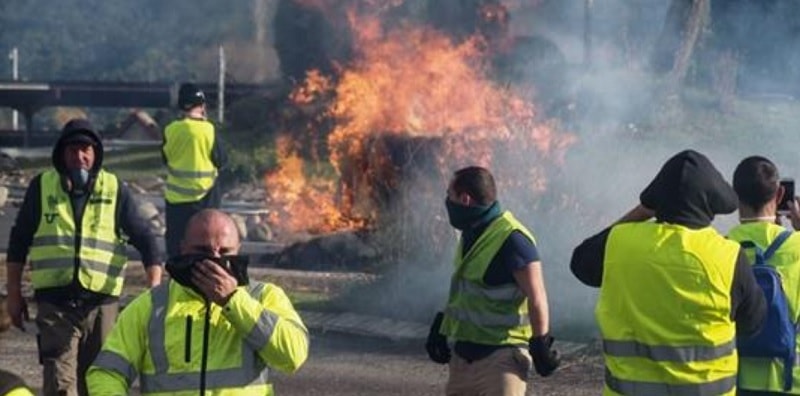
(763, 198)
(208, 329)
(674, 293)
(74, 224)
(497, 313)
(193, 154)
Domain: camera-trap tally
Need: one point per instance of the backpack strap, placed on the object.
(758, 258)
(779, 240)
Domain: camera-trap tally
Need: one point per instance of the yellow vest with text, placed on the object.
(764, 374)
(480, 313)
(92, 250)
(664, 311)
(187, 148)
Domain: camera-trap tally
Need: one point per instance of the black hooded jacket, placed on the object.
(689, 191)
(127, 218)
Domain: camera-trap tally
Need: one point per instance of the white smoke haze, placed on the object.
(626, 130)
(614, 105)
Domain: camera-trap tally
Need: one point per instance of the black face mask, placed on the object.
(180, 268)
(463, 217)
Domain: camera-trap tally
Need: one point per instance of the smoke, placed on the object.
(614, 102)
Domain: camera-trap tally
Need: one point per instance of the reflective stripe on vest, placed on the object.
(667, 353)
(190, 174)
(664, 310)
(713, 388)
(476, 312)
(188, 144)
(94, 246)
(110, 360)
(252, 370)
(766, 374)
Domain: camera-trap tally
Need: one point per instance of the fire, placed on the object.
(412, 81)
(301, 203)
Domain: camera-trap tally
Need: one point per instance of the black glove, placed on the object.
(436, 345)
(545, 359)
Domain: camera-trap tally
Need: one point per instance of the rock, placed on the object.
(260, 232)
(341, 251)
(3, 196)
(152, 183)
(136, 188)
(7, 163)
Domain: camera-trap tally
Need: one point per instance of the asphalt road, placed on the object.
(347, 365)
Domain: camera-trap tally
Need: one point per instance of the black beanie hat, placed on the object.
(190, 96)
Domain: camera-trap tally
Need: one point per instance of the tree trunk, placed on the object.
(693, 27)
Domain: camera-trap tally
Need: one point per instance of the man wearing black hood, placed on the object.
(73, 225)
(674, 293)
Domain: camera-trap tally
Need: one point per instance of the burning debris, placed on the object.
(409, 107)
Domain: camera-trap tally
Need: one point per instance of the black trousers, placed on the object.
(178, 215)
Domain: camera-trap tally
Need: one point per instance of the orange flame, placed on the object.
(410, 81)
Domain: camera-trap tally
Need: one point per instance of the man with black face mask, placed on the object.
(206, 329)
(73, 226)
(497, 312)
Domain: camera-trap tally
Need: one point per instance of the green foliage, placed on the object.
(143, 40)
(247, 165)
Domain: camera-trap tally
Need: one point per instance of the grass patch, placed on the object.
(310, 301)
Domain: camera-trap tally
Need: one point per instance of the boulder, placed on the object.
(341, 251)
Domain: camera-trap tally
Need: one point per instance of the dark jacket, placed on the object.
(127, 219)
(687, 191)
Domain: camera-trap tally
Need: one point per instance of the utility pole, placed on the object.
(587, 33)
(221, 86)
(14, 56)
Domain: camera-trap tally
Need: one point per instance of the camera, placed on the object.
(788, 195)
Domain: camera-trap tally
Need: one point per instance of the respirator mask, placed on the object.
(79, 178)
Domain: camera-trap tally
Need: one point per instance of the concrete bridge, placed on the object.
(29, 97)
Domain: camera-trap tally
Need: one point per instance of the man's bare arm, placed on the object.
(531, 281)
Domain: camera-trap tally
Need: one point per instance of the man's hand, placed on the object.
(794, 213)
(154, 274)
(436, 345)
(545, 359)
(17, 310)
(216, 284)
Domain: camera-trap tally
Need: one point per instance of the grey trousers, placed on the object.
(69, 340)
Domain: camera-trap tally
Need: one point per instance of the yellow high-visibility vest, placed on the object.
(664, 311)
(168, 324)
(188, 144)
(94, 252)
(764, 374)
(480, 313)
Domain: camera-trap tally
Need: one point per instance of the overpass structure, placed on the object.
(30, 97)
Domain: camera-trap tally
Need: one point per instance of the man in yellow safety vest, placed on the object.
(674, 293)
(208, 329)
(73, 226)
(193, 154)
